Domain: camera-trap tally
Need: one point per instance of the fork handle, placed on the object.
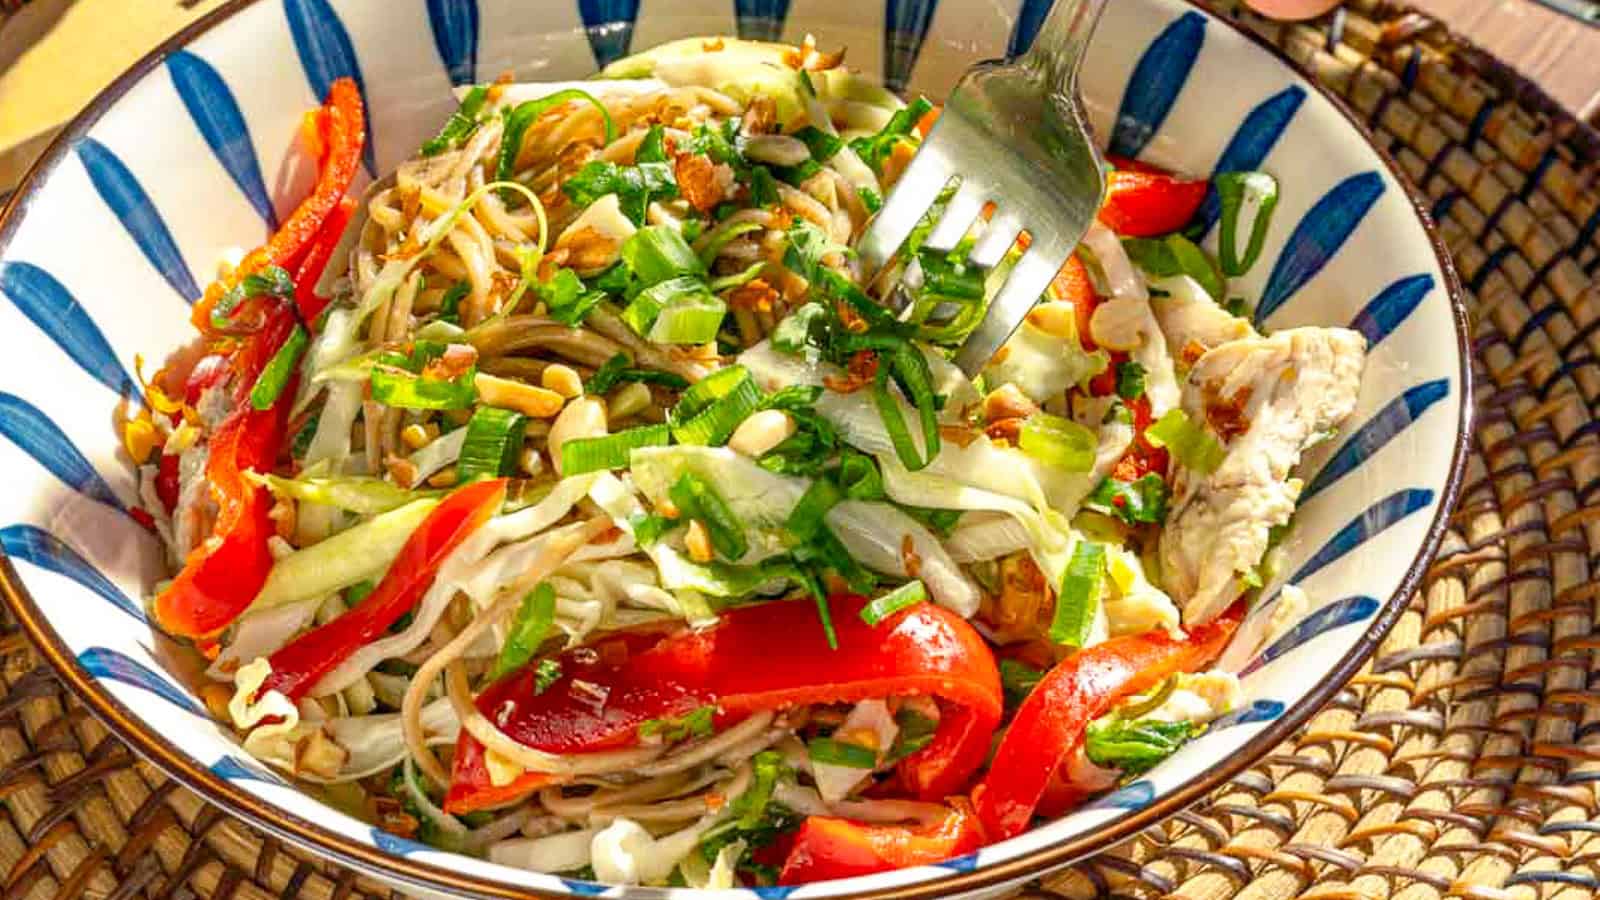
(1058, 50)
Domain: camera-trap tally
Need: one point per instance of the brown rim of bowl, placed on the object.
(368, 858)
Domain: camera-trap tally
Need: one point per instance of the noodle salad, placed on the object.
(572, 500)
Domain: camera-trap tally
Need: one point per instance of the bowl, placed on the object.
(117, 228)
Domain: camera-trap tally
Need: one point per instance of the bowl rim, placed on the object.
(368, 858)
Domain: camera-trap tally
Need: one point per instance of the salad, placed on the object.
(572, 500)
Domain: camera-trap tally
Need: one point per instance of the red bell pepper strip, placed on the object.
(1049, 726)
(756, 658)
(1145, 204)
(826, 848)
(223, 574)
(300, 664)
(311, 268)
(341, 127)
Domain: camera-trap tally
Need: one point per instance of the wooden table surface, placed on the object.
(57, 54)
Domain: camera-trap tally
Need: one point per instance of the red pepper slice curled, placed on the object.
(826, 848)
(1049, 726)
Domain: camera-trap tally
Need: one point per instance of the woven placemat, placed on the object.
(1462, 762)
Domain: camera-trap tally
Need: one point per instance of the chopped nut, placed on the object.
(584, 417)
(320, 755)
(1008, 402)
(414, 436)
(562, 379)
(863, 368)
(443, 478)
(216, 695)
(401, 471)
(698, 542)
(761, 432)
(530, 400)
(698, 182)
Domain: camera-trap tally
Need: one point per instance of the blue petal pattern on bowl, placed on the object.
(217, 117)
(45, 550)
(1250, 145)
(760, 20)
(34, 433)
(127, 198)
(1377, 432)
(1392, 307)
(1334, 615)
(1157, 79)
(327, 55)
(48, 304)
(1318, 237)
(1177, 48)
(455, 33)
(105, 663)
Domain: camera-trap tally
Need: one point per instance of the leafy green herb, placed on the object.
(858, 475)
(649, 529)
(635, 186)
(829, 752)
(916, 731)
(1017, 680)
(271, 281)
(619, 370)
(653, 148)
(461, 124)
(1134, 747)
(566, 300)
(1140, 502)
(823, 146)
(275, 375)
(529, 627)
(1130, 380)
(1078, 600)
(519, 118)
(874, 149)
(546, 673)
(696, 723)
(450, 302)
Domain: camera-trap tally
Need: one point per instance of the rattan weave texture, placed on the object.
(1462, 762)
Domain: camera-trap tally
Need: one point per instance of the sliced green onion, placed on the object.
(646, 307)
(404, 390)
(1079, 598)
(738, 279)
(829, 752)
(721, 238)
(462, 123)
(619, 370)
(1136, 502)
(529, 628)
(1058, 442)
(1239, 192)
(806, 519)
(859, 476)
(596, 454)
(275, 376)
(698, 500)
(523, 115)
(1191, 445)
(492, 445)
(801, 328)
(949, 278)
(710, 410)
(909, 594)
(688, 319)
(657, 253)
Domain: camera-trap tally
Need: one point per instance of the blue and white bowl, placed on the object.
(118, 228)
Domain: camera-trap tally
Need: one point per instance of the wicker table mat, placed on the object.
(1462, 762)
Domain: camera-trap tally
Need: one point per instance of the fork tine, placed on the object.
(998, 238)
(1032, 274)
(912, 195)
(958, 216)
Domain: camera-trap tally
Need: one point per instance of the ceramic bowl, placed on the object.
(115, 232)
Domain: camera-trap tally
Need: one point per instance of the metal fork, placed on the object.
(1016, 135)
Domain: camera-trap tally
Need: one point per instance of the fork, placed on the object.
(1015, 134)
